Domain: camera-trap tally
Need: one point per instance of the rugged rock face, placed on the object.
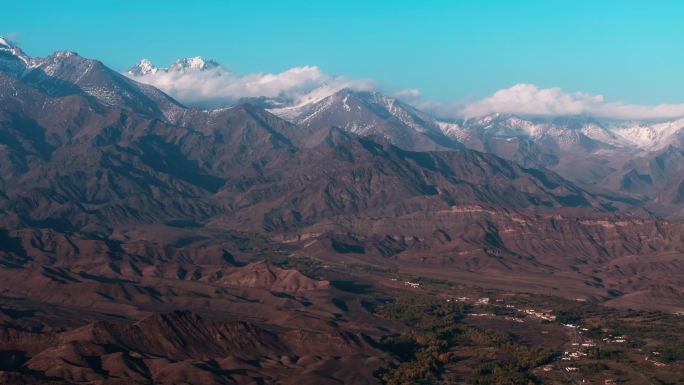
(77, 310)
(261, 274)
(181, 347)
(370, 113)
(592, 257)
(638, 159)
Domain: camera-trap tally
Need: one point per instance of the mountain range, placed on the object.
(88, 150)
(121, 206)
(637, 159)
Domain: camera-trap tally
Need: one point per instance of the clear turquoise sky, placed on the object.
(631, 51)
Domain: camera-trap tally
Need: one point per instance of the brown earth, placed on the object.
(143, 242)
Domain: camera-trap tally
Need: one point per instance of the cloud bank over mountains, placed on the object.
(197, 82)
(529, 99)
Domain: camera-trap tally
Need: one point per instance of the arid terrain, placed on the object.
(146, 242)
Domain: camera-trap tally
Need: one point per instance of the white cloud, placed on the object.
(528, 99)
(408, 94)
(217, 86)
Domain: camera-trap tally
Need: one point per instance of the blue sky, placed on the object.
(629, 51)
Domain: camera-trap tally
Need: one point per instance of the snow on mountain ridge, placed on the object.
(305, 101)
(650, 136)
(641, 136)
(455, 130)
(145, 67)
(11, 49)
(5, 44)
(322, 98)
(371, 113)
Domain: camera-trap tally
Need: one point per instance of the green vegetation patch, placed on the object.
(435, 339)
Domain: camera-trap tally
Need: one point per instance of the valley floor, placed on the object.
(283, 319)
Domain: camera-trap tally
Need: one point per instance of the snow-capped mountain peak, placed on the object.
(356, 104)
(367, 113)
(196, 63)
(303, 102)
(5, 44)
(13, 53)
(142, 68)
